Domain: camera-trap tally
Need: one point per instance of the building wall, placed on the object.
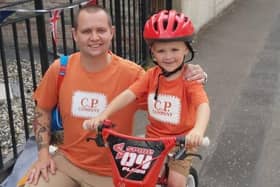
(201, 11)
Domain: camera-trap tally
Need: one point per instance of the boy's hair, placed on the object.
(92, 9)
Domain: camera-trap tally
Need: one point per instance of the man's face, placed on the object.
(93, 34)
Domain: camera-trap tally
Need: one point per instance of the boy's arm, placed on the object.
(116, 104)
(195, 136)
(119, 102)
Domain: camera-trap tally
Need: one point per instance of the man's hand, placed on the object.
(196, 73)
(41, 168)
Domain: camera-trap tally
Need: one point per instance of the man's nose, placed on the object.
(94, 36)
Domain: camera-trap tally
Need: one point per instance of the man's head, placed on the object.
(93, 31)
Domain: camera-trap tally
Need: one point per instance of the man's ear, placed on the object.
(113, 31)
(74, 34)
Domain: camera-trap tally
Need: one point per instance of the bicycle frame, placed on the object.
(136, 161)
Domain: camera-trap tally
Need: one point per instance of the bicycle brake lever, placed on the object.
(180, 154)
(98, 140)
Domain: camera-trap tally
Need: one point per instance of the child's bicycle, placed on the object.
(138, 161)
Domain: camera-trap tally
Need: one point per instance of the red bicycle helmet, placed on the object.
(168, 25)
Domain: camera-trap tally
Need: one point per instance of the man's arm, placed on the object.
(44, 164)
(41, 127)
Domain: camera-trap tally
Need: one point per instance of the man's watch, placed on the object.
(205, 78)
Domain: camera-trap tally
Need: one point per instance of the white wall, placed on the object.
(201, 11)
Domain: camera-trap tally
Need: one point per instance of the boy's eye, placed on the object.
(174, 49)
(160, 51)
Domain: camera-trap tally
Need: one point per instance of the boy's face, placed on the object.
(93, 34)
(169, 55)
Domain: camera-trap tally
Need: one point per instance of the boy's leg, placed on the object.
(179, 170)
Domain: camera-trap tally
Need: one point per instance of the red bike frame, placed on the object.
(136, 161)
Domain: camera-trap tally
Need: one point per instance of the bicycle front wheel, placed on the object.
(192, 179)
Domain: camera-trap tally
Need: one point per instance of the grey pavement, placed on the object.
(240, 51)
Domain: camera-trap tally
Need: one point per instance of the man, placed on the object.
(93, 78)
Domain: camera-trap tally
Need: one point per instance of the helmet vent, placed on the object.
(175, 26)
(156, 26)
(165, 22)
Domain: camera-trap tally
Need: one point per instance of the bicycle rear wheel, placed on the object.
(192, 179)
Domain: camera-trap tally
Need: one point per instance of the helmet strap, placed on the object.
(191, 51)
(166, 74)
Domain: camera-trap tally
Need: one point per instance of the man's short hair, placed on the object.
(92, 9)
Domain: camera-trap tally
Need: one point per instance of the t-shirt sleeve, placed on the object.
(197, 93)
(140, 89)
(46, 93)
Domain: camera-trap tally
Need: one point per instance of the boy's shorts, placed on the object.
(181, 166)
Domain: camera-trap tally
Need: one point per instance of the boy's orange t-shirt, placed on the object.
(84, 95)
(174, 111)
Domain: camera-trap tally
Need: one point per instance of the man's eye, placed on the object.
(86, 31)
(101, 30)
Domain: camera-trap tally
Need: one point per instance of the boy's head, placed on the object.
(169, 26)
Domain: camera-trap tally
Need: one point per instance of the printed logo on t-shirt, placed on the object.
(166, 108)
(88, 104)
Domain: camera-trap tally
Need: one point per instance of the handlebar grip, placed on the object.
(205, 141)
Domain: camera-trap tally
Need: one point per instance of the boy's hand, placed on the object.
(194, 138)
(92, 124)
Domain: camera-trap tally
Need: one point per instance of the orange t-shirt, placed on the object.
(174, 112)
(84, 95)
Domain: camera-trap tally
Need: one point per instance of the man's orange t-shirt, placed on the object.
(84, 95)
(174, 111)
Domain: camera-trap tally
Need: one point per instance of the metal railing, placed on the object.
(27, 48)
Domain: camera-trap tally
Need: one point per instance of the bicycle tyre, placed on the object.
(192, 179)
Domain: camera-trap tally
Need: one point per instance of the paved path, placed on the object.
(240, 51)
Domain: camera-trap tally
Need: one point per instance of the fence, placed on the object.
(27, 48)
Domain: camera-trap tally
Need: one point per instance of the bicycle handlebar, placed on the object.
(205, 142)
(180, 140)
(137, 160)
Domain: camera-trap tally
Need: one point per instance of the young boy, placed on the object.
(175, 106)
